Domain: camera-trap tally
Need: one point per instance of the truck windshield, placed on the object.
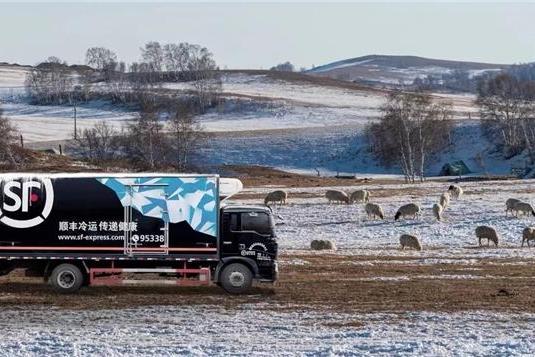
(257, 221)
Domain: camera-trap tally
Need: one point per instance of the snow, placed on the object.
(253, 102)
(284, 104)
(337, 65)
(12, 77)
(255, 329)
(56, 122)
(345, 149)
(306, 219)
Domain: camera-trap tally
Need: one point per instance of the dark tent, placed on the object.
(456, 168)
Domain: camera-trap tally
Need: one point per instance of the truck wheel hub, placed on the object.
(66, 279)
(236, 278)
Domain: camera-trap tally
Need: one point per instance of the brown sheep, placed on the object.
(488, 233)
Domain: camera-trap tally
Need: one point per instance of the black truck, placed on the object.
(110, 229)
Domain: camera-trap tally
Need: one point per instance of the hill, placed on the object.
(392, 70)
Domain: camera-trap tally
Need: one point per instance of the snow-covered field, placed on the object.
(303, 105)
(256, 330)
(348, 226)
(253, 102)
(38, 123)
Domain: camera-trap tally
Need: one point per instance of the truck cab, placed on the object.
(248, 238)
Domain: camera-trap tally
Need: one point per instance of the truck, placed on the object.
(84, 229)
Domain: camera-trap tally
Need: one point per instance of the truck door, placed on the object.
(231, 228)
(146, 235)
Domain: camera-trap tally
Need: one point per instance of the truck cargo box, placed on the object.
(109, 214)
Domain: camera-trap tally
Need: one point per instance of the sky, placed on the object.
(260, 35)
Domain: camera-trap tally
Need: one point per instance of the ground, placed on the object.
(368, 296)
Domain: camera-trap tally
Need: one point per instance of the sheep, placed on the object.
(410, 241)
(411, 209)
(488, 233)
(374, 210)
(336, 196)
(510, 205)
(528, 234)
(445, 200)
(278, 196)
(456, 191)
(437, 211)
(360, 196)
(321, 244)
(524, 208)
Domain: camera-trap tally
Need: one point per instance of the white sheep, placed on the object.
(360, 196)
(437, 211)
(528, 234)
(374, 210)
(278, 196)
(445, 200)
(456, 191)
(336, 196)
(524, 208)
(410, 241)
(411, 209)
(488, 233)
(510, 205)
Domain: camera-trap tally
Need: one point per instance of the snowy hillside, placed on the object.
(290, 121)
(259, 102)
(381, 69)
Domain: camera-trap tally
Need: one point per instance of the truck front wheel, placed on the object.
(236, 278)
(66, 278)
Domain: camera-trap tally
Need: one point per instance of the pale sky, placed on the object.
(260, 35)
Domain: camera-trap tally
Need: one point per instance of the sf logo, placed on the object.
(26, 202)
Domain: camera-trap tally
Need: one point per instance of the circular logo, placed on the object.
(26, 202)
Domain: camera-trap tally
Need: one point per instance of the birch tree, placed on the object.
(411, 129)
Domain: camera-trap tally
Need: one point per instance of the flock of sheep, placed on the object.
(413, 210)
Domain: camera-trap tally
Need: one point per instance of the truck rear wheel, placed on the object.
(236, 278)
(66, 278)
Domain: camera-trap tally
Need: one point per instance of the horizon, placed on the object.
(265, 34)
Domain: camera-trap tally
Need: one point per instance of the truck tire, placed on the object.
(66, 278)
(236, 278)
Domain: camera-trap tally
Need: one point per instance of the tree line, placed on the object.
(55, 82)
(165, 131)
(147, 142)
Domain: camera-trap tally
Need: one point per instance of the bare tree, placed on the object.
(55, 60)
(411, 129)
(507, 107)
(176, 57)
(145, 143)
(204, 74)
(50, 85)
(8, 136)
(100, 58)
(152, 55)
(186, 135)
(99, 143)
(284, 67)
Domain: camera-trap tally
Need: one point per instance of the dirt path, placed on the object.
(330, 282)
